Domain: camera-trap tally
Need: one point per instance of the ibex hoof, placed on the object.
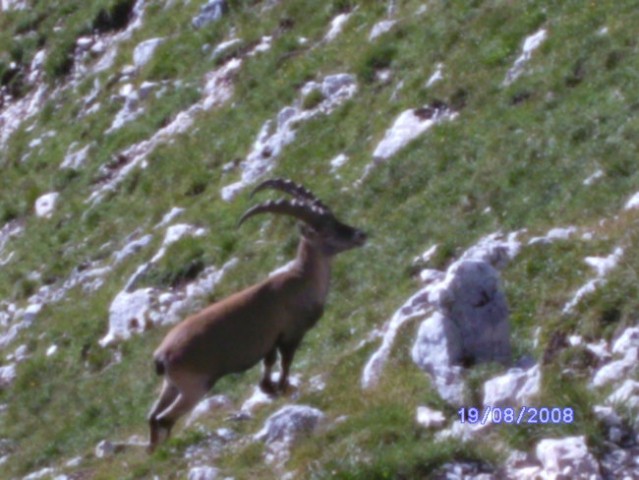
(285, 388)
(267, 386)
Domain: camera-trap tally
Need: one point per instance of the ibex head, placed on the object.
(319, 225)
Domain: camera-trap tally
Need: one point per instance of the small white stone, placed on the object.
(74, 462)
(627, 340)
(84, 43)
(338, 162)
(633, 202)
(627, 395)
(436, 76)
(104, 449)
(408, 126)
(20, 353)
(143, 52)
(380, 28)
(575, 340)
(429, 418)
(607, 415)
(75, 157)
(594, 177)
(517, 387)
(209, 406)
(45, 204)
(616, 370)
(531, 43)
(44, 473)
(7, 375)
(337, 24)
(203, 473)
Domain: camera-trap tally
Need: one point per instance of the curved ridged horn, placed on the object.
(288, 186)
(300, 210)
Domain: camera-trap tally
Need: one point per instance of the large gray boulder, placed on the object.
(473, 301)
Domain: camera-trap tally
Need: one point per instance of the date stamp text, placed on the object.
(516, 416)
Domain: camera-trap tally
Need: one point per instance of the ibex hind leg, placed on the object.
(167, 396)
(190, 392)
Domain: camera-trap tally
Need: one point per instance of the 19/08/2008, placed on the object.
(521, 415)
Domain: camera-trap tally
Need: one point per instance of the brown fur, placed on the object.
(254, 324)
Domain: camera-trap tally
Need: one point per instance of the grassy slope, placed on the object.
(522, 151)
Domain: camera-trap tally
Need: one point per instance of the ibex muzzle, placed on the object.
(257, 323)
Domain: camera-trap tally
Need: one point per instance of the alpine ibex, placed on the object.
(254, 324)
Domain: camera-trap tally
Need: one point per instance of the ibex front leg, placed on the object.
(287, 352)
(266, 384)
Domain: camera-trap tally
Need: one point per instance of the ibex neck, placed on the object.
(314, 265)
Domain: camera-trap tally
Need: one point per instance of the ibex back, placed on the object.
(257, 323)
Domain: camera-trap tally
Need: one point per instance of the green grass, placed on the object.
(515, 158)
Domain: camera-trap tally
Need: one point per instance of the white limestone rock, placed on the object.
(224, 46)
(619, 463)
(17, 112)
(616, 370)
(414, 307)
(608, 415)
(210, 12)
(463, 431)
(338, 162)
(408, 126)
(217, 90)
(208, 406)
(626, 395)
(436, 76)
(436, 351)
(381, 28)
(132, 247)
(602, 266)
(204, 473)
(591, 179)
(276, 134)
(559, 233)
(465, 296)
(169, 217)
(7, 375)
(471, 297)
(531, 44)
(45, 204)
(143, 51)
(76, 157)
(516, 387)
(46, 472)
(567, 456)
(628, 340)
(337, 25)
(175, 233)
(429, 418)
(282, 429)
(633, 202)
(128, 314)
(6, 5)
